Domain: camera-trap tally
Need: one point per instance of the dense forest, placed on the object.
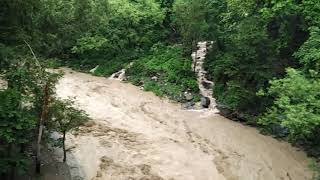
(265, 62)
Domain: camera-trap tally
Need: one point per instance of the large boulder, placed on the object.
(205, 102)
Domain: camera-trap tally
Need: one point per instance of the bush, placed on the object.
(296, 108)
(164, 71)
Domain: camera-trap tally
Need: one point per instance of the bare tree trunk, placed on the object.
(64, 146)
(22, 147)
(44, 114)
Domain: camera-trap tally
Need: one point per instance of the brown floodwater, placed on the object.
(137, 135)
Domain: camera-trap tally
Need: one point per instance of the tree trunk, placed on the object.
(64, 146)
(43, 116)
(38, 155)
(12, 166)
(12, 171)
(22, 147)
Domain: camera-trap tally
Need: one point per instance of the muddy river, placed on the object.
(137, 135)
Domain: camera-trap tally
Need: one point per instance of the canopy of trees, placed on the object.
(265, 61)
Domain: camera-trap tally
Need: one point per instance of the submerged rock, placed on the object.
(188, 105)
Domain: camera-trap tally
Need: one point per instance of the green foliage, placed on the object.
(189, 17)
(65, 117)
(309, 53)
(254, 43)
(14, 119)
(16, 125)
(89, 45)
(172, 71)
(106, 68)
(243, 66)
(53, 63)
(315, 167)
(296, 105)
(20, 109)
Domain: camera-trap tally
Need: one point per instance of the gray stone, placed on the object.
(224, 110)
(188, 96)
(154, 78)
(3, 84)
(205, 102)
(188, 105)
(206, 84)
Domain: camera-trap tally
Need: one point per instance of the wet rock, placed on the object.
(224, 110)
(141, 83)
(206, 84)
(120, 75)
(279, 130)
(116, 75)
(188, 105)
(205, 102)
(188, 96)
(3, 84)
(154, 78)
(242, 116)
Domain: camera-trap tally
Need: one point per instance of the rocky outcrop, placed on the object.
(120, 75)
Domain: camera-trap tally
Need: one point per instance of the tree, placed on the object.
(16, 125)
(189, 18)
(296, 106)
(64, 118)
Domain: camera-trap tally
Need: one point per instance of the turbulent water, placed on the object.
(136, 135)
(205, 86)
